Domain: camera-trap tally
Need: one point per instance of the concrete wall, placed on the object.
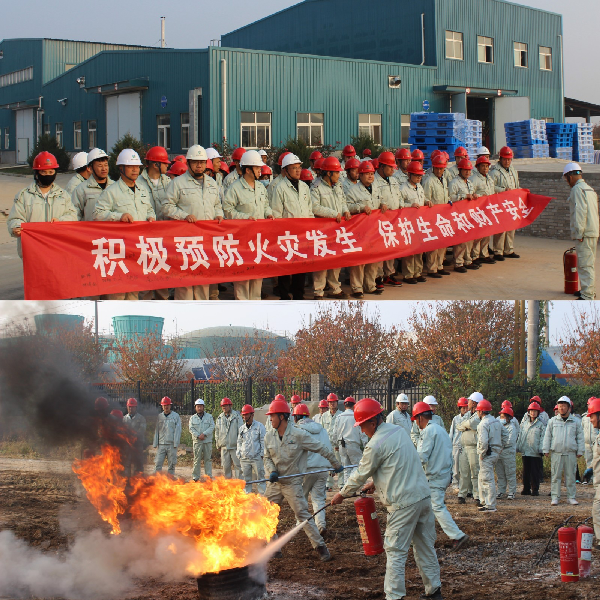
(554, 221)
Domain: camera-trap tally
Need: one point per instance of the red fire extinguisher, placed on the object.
(585, 537)
(368, 525)
(567, 544)
(571, 274)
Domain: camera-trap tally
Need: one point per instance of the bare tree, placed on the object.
(580, 343)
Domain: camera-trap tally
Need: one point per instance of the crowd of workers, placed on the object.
(409, 459)
(201, 186)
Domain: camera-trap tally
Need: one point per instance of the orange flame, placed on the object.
(225, 523)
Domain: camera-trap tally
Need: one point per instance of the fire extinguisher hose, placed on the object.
(563, 524)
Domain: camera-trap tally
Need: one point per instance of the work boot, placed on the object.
(525, 493)
(391, 280)
(376, 291)
(572, 502)
(322, 531)
(462, 501)
(469, 495)
(443, 272)
(510, 497)
(379, 283)
(323, 553)
(472, 266)
(512, 255)
(535, 493)
(421, 279)
(410, 280)
(457, 544)
(339, 296)
(479, 503)
(460, 270)
(357, 295)
(435, 275)
(499, 257)
(437, 595)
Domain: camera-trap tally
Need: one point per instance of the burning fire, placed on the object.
(225, 523)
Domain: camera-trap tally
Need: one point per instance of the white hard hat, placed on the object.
(262, 152)
(251, 158)
(483, 150)
(199, 401)
(79, 160)
(430, 400)
(290, 159)
(196, 152)
(95, 154)
(572, 166)
(476, 397)
(129, 157)
(564, 399)
(212, 153)
(402, 398)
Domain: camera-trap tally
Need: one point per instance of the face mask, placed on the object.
(502, 420)
(46, 180)
(265, 182)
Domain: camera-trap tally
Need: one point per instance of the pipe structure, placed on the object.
(423, 38)
(533, 337)
(224, 95)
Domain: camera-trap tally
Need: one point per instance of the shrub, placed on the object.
(48, 143)
(127, 141)
(364, 141)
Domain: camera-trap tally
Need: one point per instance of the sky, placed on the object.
(281, 317)
(194, 24)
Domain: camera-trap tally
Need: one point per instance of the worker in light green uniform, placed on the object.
(468, 464)
(201, 427)
(594, 412)
(415, 432)
(506, 466)
(85, 195)
(400, 415)
(42, 201)
(246, 198)
(583, 209)
(79, 164)
(484, 186)
(227, 429)
(489, 447)
(328, 421)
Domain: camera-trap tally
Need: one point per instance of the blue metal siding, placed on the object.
(388, 30)
(284, 84)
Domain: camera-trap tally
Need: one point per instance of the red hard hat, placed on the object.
(323, 404)
(463, 402)
(226, 402)
(331, 163)
(157, 154)
(403, 154)
(536, 399)
(535, 406)
(375, 163)
(484, 405)
(306, 175)
(555, 407)
(332, 397)
(460, 151)
(349, 150)
(387, 158)
(166, 401)
(353, 163)
(315, 155)
(366, 167)
(465, 163)
(295, 399)
(279, 397)
(282, 156)
(101, 403)
(507, 410)
(594, 406)
(224, 167)
(415, 168)
(439, 161)
(117, 413)
(419, 408)
(446, 155)
(590, 400)
(366, 409)
(278, 406)
(44, 160)
(366, 152)
(209, 165)
(434, 154)
(238, 153)
(131, 402)
(247, 409)
(266, 170)
(301, 409)
(483, 160)
(178, 168)
(180, 158)
(318, 163)
(350, 400)
(417, 155)
(506, 152)
(506, 403)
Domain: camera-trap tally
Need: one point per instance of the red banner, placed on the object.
(77, 259)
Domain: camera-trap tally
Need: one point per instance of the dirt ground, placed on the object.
(46, 508)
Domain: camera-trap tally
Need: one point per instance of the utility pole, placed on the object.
(96, 320)
(533, 335)
(163, 43)
(519, 341)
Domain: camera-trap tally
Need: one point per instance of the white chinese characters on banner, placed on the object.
(191, 248)
(320, 242)
(424, 227)
(290, 243)
(152, 249)
(226, 250)
(261, 249)
(111, 256)
(346, 239)
(387, 232)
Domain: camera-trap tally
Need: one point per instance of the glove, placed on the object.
(339, 469)
(274, 476)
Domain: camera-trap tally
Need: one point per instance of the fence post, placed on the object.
(193, 386)
(248, 391)
(139, 391)
(317, 383)
(389, 405)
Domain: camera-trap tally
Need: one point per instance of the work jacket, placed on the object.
(227, 429)
(436, 189)
(401, 176)
(157, 192)
(315, 460)
(509, 435)
(489, 436)
(231, 177)
(391, 459)
(589, 431)
(389, 190)
(358, 197)
(435, 451)
(583, 208)
(504, 179)
(328, 422)
(596, 459)
(468, 429)
(455, 434)
(251, 441)
(415, 432)
(243, 202)
(168, 429)
(85, 196)
(188, 196)
(199, 426)
(564, 437)
(74, 182)
(138, 424)
(484, 186)
(411, 194)
(289, 203)
(397, 417)
(530, 441)
(459, 189)
(344, 430)
(119, 199)
(328, 201)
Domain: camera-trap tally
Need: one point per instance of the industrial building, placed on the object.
(321, 70)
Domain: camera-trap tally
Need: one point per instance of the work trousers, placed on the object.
(412, 266)
(332, 277)
(560, 463)
(480, 248)
(459, 251)
(350, 455)
(213, 291)
(469, 472)
(533, 468)
(589, 455)
(434, 260)
(596, 513)
(456, 465)
(229, 456)
(253, 469)
(362, 277)
(202, 452)
(340, 476)
(291, 285)
(294, 495)
(586, 262)
(506, 470)
(315, 487)
(387, 268)
(247, 290)
(169, 452)
(122, 296)
(134, 460)
(155, 295)
(504, 243)
(196, 292)
(442, 514)
(469, 252)
(414, 525)
(487, 481)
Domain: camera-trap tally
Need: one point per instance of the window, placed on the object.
(6, 138)
(92, 137)
(370, 125)
(405, 129)
(16, 77)
(547, 119)
(59, 134)
(454, 45)
(309, 127)
(520, 50)
(46, 129)
(485, 49)
(256, 129)
(77, 135)
(185, 131)
(545, 58)
(164, 131)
